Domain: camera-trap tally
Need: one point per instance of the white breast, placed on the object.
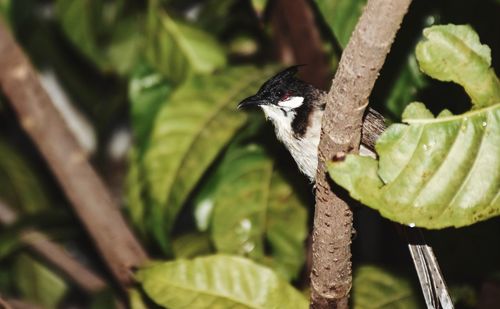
(304, 150)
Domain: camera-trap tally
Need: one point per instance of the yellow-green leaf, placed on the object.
(218, 281)
(432, 172)
(254, 206)
(178, 49)
(454, 53)
(189, 132)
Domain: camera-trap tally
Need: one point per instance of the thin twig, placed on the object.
(331, 277)
(55, 254)
(84, 188)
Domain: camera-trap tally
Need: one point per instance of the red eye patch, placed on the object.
(285, 97)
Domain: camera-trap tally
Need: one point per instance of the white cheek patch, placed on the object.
(291, 102)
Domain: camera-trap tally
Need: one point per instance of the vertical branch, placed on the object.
(86, 191)
(295, 31)
(359, 67)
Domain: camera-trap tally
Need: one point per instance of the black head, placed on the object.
(279, 88)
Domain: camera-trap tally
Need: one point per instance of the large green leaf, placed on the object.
(218, 281)
(255, 205)
(189, 132)
(342, 16)
(432, 172)
(178, 49)
(241, 204)
(37, 283)
(376, 288)
(102, 33)
(147, 91)
(454, 53)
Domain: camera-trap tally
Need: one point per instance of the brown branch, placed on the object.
(361, 61)
(295, 31)
(55, 254)
(86, 191)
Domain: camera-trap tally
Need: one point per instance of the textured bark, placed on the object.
(87, 193)
(331, 277)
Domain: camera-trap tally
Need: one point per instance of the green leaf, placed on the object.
(5, 11)
(189, 132)
(102, 32)
(147, 91)
(286, 228)
(37, 283)
(136, 201)
(136, 300)
(178, 49)
(259, 6)
(20, 186)
(254, 204)
(218, 281)
(405, 88)
(454, 53)
(342, 16)
(9, 241)
(204, 201)
(191, 245)
(432, 172)
(239, 219)
(376, 288)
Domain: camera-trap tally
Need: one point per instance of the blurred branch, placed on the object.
(12, 303)
(298, 40)
(55, 254)
(331, 277)
(4, 304)
(89, 197)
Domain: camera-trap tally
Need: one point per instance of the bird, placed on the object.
(295, 109)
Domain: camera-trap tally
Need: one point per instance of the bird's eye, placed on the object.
(283, 95)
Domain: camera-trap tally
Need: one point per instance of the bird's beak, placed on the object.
(252, 101)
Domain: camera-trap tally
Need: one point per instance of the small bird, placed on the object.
(295, 108)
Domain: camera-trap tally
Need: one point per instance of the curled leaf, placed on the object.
(432, 172)
(454, 53)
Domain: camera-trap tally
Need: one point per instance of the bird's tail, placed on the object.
(429, 274)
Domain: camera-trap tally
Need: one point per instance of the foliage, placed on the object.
(38, 283)
(444, 171)
(341, 16)
(268, 212)
(378, 288)
(207, 188)
(218, 281)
